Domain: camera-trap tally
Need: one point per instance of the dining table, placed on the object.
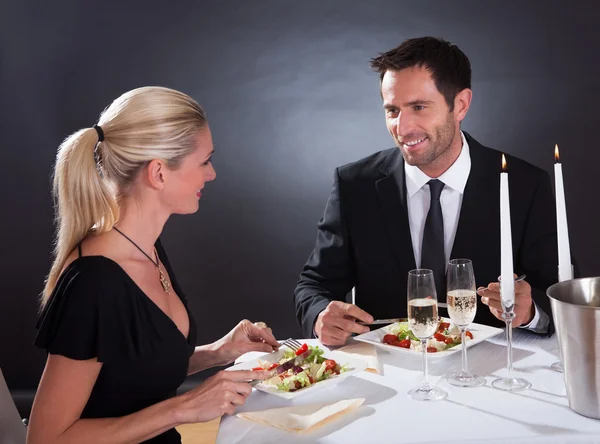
(540, 414)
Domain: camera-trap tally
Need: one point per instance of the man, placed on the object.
(434, 197)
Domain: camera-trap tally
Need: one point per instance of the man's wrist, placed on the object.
(531, 314)
(314, 329)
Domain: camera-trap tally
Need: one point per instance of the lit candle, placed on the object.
(507, 283)
(565, 271)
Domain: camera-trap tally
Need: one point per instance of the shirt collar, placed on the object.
(454, 177)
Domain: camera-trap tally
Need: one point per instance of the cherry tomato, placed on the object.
(405, 343)
(443, 326)
(302, 349)
(330, 364)
(449, 341)
(431, 350)
(469, 334)
(390, 339)
(440, 337)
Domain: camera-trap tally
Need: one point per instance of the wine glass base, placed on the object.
(511, 384)
(465, 379)
(557, 367)
(427, 394)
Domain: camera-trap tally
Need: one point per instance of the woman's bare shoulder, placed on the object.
(95, 245)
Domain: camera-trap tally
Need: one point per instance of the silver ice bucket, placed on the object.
(576, 311)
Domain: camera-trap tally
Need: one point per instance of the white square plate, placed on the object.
(354, 366)
(480, 333)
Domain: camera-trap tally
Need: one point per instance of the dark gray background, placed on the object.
(289, 96)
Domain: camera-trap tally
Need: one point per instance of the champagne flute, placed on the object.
(462, 307)
(423, 321)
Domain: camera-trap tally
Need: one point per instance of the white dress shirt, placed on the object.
(419, 197)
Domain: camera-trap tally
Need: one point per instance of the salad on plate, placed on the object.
(446, 337)
(311, 369)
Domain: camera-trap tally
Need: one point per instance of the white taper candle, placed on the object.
(507, 283)
(565, 271)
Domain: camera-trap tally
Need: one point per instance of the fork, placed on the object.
(291, 343)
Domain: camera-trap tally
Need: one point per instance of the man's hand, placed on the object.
(524, 307)
(335, 324)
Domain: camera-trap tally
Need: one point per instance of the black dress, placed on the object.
(97, 311)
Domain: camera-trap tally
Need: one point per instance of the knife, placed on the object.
(384, 321)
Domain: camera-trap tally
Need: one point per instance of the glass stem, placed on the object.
(463, 339)
(509, 346)
(425, 375)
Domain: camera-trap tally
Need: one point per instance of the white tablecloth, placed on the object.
(483, 414)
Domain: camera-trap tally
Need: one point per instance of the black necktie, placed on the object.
(432, 249)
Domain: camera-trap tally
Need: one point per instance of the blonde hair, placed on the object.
(91, 176)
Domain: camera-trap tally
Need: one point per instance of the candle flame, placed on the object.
(556, 157)
(503, 164)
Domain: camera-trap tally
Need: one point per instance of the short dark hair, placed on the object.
(449, 66)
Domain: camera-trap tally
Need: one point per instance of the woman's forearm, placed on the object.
(134, 428)
(206, 356)
(245, 337)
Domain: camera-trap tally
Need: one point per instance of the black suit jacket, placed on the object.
(364, 239)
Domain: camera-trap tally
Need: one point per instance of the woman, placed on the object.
(115, 323)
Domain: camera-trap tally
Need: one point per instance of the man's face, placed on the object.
(418, 117)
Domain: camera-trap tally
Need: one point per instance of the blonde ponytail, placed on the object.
(143, 124)
(82, 199)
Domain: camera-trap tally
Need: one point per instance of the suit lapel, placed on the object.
(481, 196)
(391, 191)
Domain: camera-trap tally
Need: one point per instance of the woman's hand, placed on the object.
(245, 337)
(217, 396)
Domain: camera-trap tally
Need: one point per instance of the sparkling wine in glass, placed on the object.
(462, 307)
(423, 321)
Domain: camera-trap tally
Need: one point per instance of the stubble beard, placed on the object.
(444, 137)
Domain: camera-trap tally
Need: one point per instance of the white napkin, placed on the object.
(366, 352)
(303, 418)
